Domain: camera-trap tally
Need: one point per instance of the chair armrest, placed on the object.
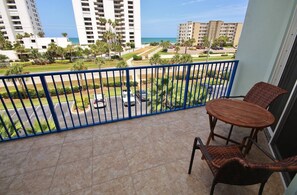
(202, 148)
(238, 96)
(259, 147)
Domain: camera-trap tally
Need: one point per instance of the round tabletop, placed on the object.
(240, 113)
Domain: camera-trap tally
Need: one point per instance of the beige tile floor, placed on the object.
(148, 155)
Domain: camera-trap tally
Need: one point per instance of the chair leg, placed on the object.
(229, 135)
(213, 185)
(261, 188)
(193, 155)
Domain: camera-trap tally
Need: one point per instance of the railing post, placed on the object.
(128, 92)
(232, 78)
(187, 86)
(50, 103)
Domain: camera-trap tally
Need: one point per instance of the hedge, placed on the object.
(136, 57)
(60, 91)
(22, 63)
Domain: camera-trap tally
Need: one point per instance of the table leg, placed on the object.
(212, 124)
(253, 136)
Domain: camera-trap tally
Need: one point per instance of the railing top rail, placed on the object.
(114, 69)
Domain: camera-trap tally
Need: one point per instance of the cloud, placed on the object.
(191, 2)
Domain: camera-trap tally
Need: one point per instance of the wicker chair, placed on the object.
(229, 166)
(262, 94)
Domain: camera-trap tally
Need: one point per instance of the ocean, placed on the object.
(150, 40)
(144, 40)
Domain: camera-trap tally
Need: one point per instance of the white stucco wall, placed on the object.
(264, 29)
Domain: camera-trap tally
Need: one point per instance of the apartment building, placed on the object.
(18, 17)
(89, 12)
(212, 30)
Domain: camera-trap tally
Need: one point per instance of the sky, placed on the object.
(159, 18)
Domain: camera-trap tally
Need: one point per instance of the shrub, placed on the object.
(62, 61)
(165, 50)
(136, 57)
(22, 63)
(116, 57)
(202, 55)
(224, 54)
(154, 43)
(112, 84)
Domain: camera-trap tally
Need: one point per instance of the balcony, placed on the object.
(147, 155)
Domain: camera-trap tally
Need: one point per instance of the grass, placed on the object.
(130, 55)
(61, 67)
(200, 59)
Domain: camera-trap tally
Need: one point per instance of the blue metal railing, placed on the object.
(37, 104)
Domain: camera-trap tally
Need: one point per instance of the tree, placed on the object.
(161, 89)
(186, 58)
(52, 52)
(11, 126)
(102, 21)
(188, 43)
(26, 34)
(34, 54)
(99, 48)
(79, 66)
(69, 50)
(61, 52)
(99, 61)
(165, 45)
(117, 48)
(41, 34)
(109, 36)
(64, 34)
(122, 64)
(4, 44)
(3, 58)
(155, 60)
(221, 41)
(16, 69)
(206, 42)
(176, 49)
(175, 59)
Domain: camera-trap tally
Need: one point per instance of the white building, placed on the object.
(18, 17)
(126, 12)
(41, 43)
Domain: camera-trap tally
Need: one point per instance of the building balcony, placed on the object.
(147, 155)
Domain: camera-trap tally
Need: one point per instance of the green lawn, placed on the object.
(61, 67)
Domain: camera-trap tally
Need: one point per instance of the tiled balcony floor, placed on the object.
(149, 155)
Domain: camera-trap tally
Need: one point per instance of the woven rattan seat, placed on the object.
(229, 166)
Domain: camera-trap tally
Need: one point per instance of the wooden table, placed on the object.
(239, 113)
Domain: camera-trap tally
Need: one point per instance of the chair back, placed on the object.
(238, 171)
(263, 94)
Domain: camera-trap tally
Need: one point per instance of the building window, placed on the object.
(130, 7)
(43, 47)
(52, 40)
(33, 41)
(12, 7)
(87, 19)
(10, 1)
(18, 27)
(84, 4)
(86, 9)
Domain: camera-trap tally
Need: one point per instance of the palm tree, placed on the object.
(11, 126)
(16, 69)
(79, 66)
(165, 45)
(40, 34)
(64, 34)
(69, 50)
(122, 64)
(188, 43)
(176, 49)
(155, 60)
(102, 21)
(99, 62)
(109, 36)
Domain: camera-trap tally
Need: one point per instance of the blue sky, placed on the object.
(159, 18)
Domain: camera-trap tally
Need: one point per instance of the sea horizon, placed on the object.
(144, 40)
